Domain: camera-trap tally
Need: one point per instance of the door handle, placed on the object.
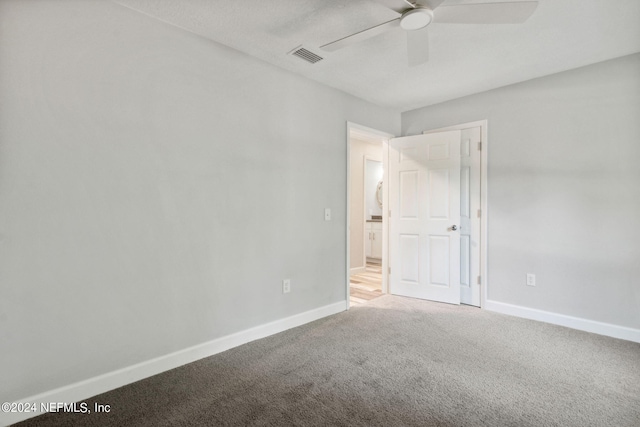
(454, 227)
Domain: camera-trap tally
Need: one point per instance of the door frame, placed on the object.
(354, 129)
(484, 205)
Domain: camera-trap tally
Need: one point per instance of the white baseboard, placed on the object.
(357, 270)
(93, 386)
(608, 329)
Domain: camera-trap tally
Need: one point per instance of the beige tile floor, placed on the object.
(366, 285)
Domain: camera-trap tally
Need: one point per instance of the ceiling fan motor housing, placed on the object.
(415, 19)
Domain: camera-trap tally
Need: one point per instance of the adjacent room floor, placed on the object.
(367, 285)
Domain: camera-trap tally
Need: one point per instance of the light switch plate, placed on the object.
(327, 214)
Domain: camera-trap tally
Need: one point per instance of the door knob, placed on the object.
(454, 227)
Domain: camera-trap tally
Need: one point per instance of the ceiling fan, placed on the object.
(416, 16)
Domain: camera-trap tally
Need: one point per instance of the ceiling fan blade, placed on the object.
(485, 13)
(418, 46)
(360, 36)
(396, 5)
(431, 4)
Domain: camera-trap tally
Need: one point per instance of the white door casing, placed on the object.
(470, 216)
(424, 197)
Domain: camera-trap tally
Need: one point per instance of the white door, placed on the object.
(470, 223)
(424, 200)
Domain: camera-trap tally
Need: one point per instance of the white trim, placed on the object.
(357, 270)
(484, 205)
(347, 293)
(102, 383)
(366, 133)
(484, 219)
(385, 216)
(608, 329)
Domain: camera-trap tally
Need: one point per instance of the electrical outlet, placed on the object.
(531, 279)
(286, 286)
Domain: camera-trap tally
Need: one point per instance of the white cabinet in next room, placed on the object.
(373, 239)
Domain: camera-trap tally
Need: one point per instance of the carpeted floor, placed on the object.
(393, 362)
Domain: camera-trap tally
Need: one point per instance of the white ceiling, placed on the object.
(464, 59)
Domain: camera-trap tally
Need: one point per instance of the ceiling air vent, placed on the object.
(303, 53)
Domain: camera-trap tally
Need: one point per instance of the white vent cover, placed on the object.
(305, 54)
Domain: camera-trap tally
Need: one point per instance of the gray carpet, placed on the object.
(393, 362)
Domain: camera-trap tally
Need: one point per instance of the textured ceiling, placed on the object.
(464, 59)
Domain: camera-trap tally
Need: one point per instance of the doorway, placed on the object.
(365, 200)
(473, 281)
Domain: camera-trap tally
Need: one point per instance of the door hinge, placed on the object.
(479, 145)
(479, 213)
(389, 213)
(389, 270)
(479, 280)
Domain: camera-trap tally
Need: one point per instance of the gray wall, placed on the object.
(155, 188)
(564, 188)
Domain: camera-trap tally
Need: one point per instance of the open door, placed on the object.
(424, 201)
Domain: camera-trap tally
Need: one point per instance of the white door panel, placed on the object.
(424, 194)
(409, 194)
(409, 258)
